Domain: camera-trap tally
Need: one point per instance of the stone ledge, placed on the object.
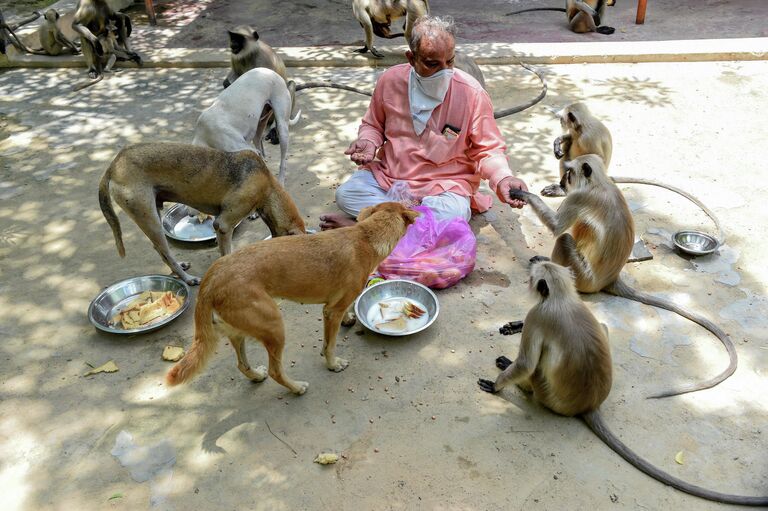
(485, 54)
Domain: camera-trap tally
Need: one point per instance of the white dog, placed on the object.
(236, 120)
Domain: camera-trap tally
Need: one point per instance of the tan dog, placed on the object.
(227, 185)
(330, 267)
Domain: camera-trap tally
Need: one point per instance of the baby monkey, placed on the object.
(565, 360)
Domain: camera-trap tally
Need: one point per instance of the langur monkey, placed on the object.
(583, 15)
(248, 52)
(595, 233)
(8, 35)
(583, 133)
(52, 40)
(376, 16)
(565, 360)
(92, 21)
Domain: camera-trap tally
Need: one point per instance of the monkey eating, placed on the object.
(583, 15)
(376, 16)
(594, 236)
(92, 21)
(583, 133)
(565, 360)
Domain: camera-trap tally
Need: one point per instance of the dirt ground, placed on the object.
(412, 427)
(414, 430)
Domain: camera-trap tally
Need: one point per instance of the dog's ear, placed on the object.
(410, 216)
(365, 213)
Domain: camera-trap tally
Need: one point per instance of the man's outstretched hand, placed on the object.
(361, 151)
(507, 184)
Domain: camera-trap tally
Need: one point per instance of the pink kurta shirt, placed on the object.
(434, 162)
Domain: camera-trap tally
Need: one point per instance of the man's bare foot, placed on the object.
(335, 220)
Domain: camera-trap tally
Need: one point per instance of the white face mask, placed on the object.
(425, 94)
(434, 86)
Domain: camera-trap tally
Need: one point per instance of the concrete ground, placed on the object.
(413, 429)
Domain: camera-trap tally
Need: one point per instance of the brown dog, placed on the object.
(227, 185)
(330, 267)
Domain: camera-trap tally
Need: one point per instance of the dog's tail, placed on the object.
(105, 202)
(204, 343)
(295, 119)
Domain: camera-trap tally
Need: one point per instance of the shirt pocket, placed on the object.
(438, 148)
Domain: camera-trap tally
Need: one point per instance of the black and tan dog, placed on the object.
(330, 267)
(226, 185)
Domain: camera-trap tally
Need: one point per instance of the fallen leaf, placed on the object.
(173, 353)
(327, 458)
(109, 367)
(116, 496)
(679, 458)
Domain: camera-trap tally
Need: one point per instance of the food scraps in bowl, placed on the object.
(148, 308)
(395, 315)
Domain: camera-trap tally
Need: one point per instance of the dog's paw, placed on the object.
(349, 319)
(338, 365)
(300, 388)
(257, 375)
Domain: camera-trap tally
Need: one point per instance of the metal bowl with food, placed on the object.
(139, 304)
(695, 242)
(183, 223)
(397, 307)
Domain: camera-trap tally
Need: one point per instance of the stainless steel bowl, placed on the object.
(396, 289)
(695, 242)
(116, 297)
(180, 223)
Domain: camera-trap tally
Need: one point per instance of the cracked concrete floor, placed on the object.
(414, 430)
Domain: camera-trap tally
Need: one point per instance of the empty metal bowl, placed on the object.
(371, 296)
(695, 242)
(112, 300)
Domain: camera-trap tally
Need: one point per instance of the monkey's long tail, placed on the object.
(331, 85)
(620, 288)
(558, 9)
(205, 340)
(705, 209)
(87, 84)
(595, 422)
(519, 108)
(105, 202)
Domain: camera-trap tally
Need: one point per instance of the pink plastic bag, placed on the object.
(435, 253)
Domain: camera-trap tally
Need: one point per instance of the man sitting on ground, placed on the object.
(431, 127)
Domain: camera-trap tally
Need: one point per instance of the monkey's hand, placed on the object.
(553, 190)
(503, 362)
(361, 151)
(558, 147)
(487, 385)
(513, 327)
(509, 189)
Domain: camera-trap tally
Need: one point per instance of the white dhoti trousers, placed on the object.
(362, 190)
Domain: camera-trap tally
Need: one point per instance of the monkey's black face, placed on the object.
(236, 43)
(565, 181)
